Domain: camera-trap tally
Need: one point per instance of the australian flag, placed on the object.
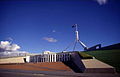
(74, 25)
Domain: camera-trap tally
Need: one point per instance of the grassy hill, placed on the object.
(111, 57)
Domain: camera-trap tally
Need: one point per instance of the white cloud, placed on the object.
(14, 47)
(7, 49)
(50, 39)
(6, 45)
(101, 2)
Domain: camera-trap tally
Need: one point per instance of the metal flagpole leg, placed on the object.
(83, 45)
(74, 45)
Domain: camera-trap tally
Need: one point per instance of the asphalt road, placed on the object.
(23, 73)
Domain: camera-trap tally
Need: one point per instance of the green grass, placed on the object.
(111, 57)
(85, 56)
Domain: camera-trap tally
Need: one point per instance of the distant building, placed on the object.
(98, 47)
(110, 47)
(48, 56)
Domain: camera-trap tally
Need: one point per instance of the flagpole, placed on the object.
(77, 38)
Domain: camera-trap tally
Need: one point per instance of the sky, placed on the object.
(38, 26)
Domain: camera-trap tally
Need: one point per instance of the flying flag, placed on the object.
(74, 25)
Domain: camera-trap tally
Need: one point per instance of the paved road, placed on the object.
(23, 73)
(9, 74)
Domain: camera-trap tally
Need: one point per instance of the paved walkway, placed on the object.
(94, 63)
(96, 66)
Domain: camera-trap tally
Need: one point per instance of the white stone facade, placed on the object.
(50, 57)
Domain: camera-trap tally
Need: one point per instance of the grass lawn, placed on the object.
(85, 56)
(111, 57)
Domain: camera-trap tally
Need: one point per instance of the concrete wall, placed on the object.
(12, 60)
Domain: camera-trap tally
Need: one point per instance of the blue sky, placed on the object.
(42, 25)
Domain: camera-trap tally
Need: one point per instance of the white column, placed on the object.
(55, 57)
(50, 57)
(27, 59)
(47, 57)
